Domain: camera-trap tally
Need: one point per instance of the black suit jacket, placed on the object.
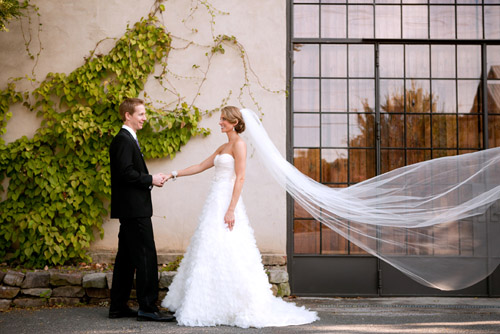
(130, 180)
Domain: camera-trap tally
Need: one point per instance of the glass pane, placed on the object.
(469, 61)
(332, 243)
(494, 131)
(362, 130)
(469, 22)
(469, 135)
(418, 97)
(392, 130)
(469, 92)
(493, 97)
(388, 22)
(306, 60)
(391, 159)
(444, 1)
(361, 165)
(492, 22)
(305, 95)
(307, 162)
(442, 20)
(443, 61)
(334, 60)
(415, 22)
(361, 95)
(299, 211)
(417, 61)
(493, 53)
(305, 21)
(391, 62)
(334, 130)
(444, 131)
(305, 130)
(387, 1)
(361, 61)
(443, 153)
(334, 166)
(414, 156)
(360, 21)
(333, 22)
(414, 1)
(306, 237)
(392, 96)
(334, 95)
(418, 131)
(444, 96)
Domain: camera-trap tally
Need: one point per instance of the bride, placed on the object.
(221, 279)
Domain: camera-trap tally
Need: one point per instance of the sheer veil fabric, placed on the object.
(437, 221)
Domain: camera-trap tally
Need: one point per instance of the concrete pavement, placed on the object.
(338, 315)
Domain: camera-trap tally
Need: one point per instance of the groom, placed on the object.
(131, 187)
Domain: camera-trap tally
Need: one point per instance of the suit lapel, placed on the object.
(137, 150)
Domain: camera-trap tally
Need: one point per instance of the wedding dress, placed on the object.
(221, 279)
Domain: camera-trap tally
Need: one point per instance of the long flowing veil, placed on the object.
(437, 221)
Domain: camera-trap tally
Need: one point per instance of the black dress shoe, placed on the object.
(154, 316)
(122, 313)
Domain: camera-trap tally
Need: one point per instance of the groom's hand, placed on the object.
(159, 179)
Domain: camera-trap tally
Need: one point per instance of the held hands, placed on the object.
(159, 179)
(229, 219)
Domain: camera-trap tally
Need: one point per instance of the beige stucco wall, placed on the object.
(72, 28)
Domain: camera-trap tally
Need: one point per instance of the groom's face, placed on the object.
(137, 119)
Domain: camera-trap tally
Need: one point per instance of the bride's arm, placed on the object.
(240, 154)
(198, 168)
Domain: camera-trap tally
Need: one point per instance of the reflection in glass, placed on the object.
(444, 131)
(305, 21)
(334, 95)
(362, 130)
(334, 130)
(444, 96)
(305, 95)
(492, 22)
(443, 61)
(494, 131)
(299, 211)
(332, 242)
(388, 22)
(306, 60)
(415, 22)
(391, 159)
(361, 61)
(418, 97)
(418, 131)
(417, 61)
(361, 164)
(493, 61)
(307, 162)
(392, 96)
(414, 156)
(442, 21)
(306, 130)
(493, 97)
(333, 22)
(469, 22)
(360, 21)
(469, 61)
(306, 237)
(334, 166)
(469, 93)
(361, 95)
(392, 130)
(391, 62)
(334, 60)
(469, 135)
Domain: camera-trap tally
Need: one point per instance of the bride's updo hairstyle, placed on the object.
(233, 116)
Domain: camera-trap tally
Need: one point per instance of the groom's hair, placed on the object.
(128, 106)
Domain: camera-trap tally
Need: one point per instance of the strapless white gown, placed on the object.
(221, 279)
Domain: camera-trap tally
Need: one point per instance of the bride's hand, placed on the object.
(229, 219)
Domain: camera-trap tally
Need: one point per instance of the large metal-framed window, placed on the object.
(380, 84)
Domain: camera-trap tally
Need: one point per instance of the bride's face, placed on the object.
(225, 126)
